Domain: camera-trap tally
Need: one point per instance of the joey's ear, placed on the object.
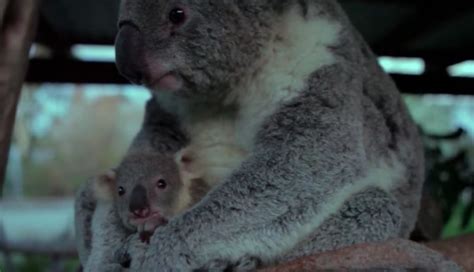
(104, 185)
(187, 165)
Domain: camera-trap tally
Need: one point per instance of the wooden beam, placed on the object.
(48, 36)
(435, 56)
(434, 84)
(430, 15)
(73, 71)
(17, 28)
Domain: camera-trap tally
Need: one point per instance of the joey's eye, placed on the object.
(161, 184)
(121, 191)
(177, 16)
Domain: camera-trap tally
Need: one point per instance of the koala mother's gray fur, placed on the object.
(334, 157)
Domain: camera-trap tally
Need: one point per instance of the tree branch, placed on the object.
(18, 19)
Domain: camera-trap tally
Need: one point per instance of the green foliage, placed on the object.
(37, 263)
(450, 179)
(31, 263)
(457, 225)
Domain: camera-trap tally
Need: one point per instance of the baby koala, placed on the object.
(142, 193)
(149, 189)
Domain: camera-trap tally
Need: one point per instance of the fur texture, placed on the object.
(332, 157)
(99, 231)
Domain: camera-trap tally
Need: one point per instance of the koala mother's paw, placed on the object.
(247, 263)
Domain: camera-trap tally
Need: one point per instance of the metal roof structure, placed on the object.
(440, 33)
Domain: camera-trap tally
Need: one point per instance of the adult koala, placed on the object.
(334, 158)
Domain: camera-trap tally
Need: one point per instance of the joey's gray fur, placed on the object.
(108, 233)
(99, 231)
(84, 207)
(145, 191)
(333, 157)
(116, 208)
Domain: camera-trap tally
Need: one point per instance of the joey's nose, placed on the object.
(129, 53)
(139, 202)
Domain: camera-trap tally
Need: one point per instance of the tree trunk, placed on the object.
(18, 19)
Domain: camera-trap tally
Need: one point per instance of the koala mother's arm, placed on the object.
(309, 157)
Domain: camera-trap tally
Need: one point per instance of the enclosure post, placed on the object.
(18, 20)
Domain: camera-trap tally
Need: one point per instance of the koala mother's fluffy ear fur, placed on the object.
(104, 186)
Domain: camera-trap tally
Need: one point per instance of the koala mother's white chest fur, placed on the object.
(299, 46)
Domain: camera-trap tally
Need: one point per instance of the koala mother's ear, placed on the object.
(104, 185)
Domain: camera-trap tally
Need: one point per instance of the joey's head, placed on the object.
(147, 190)
(193, 48)
(150, 189)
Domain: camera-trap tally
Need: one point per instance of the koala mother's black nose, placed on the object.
(139, 202)
(130, 53)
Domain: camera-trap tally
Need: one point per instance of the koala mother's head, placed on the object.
(192, 47)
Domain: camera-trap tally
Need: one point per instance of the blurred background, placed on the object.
(77, 116)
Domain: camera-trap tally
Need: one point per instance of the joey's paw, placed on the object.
(133, 250)
(165, 252)
(123, 258)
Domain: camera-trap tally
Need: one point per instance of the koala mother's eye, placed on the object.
(121, 191)
(177, 16)
(161, 184)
